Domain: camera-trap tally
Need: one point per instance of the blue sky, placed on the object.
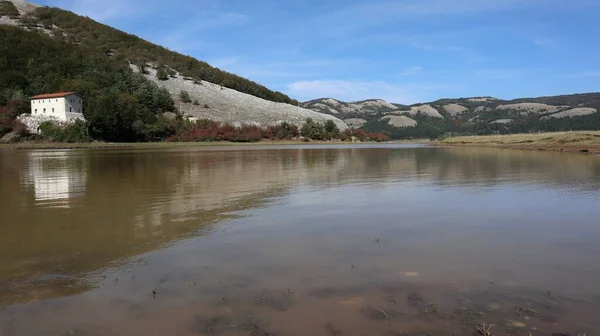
(404, 51)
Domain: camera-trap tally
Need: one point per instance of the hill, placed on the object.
(49, 50)
(468, 116)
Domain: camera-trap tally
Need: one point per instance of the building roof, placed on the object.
(53, 95)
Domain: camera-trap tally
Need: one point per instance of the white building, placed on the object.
(64, 106)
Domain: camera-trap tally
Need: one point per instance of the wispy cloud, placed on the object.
(585, 74)
(377, 13)
(106, 10)
(360, 90)
(411, 71)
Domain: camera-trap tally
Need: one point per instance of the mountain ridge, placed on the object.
(467, 115)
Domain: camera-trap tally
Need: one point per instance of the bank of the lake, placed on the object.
(151, 145)
(576, 141)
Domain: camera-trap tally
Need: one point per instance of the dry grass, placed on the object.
(585, 141)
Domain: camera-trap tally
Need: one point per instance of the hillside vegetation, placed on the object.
(127, 47)
(115, 97)
(133, 90)
(468, 116)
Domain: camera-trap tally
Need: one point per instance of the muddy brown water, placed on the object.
(293, 240)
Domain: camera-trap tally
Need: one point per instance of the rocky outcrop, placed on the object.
(400, 121)
(425, 109)
(218, 103)
(455, 109)
(33, 122)
(578, 111)
(355, 122)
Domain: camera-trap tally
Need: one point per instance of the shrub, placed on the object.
(196, 102)
(314, 130)
(282, 131)
(75, 132)
(162, 75)
(185, 97)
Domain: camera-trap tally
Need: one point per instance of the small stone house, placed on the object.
(63, 106)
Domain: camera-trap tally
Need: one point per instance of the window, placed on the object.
(44, 110)
(57, 100)
(35, 111)
(53, 110)
(70, 109)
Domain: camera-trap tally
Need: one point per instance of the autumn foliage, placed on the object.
(208, 130)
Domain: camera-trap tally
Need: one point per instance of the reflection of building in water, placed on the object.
(57, 177)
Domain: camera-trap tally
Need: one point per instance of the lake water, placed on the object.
(304, 240)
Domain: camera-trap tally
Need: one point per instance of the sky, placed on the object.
(403, 51)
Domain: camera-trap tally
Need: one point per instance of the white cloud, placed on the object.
(359, 90)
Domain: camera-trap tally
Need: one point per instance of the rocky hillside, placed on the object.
(475, 115)
(221, 96)
(218, 103)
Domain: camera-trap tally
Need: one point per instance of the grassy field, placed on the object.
(576, 141)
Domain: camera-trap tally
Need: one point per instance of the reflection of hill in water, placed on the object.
(117, 204)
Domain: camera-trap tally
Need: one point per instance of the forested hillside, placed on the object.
(114, 96)
(125, 47)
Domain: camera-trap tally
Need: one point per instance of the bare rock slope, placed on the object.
(23, 7)
(225, 105)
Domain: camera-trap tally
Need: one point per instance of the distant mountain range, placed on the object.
(475, 115)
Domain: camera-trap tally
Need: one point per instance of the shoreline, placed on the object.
(158, 145)
(584, 142)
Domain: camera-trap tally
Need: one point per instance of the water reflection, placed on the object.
(58, 178)
(71, 218)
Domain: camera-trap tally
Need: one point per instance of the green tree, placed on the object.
(331, 129)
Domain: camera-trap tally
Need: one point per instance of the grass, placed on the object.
(580, 141)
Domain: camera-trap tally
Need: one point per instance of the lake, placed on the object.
(299, 240)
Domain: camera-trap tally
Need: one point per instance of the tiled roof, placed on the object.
(53, 95)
